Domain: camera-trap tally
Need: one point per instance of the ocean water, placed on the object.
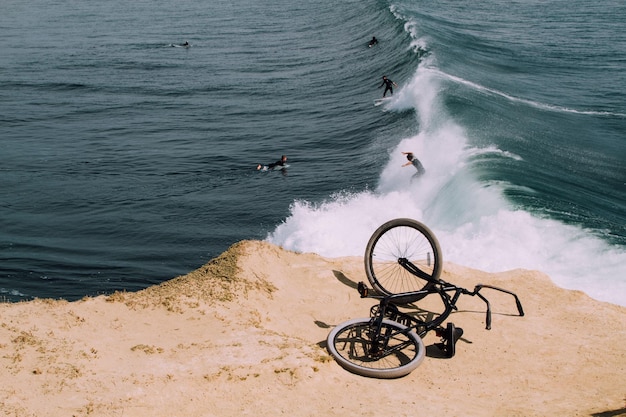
(126, 160)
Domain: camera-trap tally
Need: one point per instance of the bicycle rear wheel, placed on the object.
(350, 343)
(402, 239)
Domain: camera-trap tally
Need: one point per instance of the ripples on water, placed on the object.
(125, 161)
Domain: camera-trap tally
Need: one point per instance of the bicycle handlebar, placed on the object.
(479, 287)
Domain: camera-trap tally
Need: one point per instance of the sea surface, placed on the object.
(127, 160)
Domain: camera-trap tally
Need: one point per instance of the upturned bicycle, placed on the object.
(403, 263)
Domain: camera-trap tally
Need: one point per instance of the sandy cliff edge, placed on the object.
(245, 335)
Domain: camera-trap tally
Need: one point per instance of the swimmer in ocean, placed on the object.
(280, 163)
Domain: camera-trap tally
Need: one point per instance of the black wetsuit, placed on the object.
(280, 163)
(388, 86)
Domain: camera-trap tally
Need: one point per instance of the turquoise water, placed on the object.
(125, 161)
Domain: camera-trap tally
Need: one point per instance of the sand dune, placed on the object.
(245, 335)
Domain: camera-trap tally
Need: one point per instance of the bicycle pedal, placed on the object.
(452, 335)
(458, 332)
(363, 290)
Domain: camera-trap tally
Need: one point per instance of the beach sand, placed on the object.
(245, 334)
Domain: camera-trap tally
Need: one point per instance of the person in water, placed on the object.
(373, 42)
(280, 163)
(388, 85)
(415, 162)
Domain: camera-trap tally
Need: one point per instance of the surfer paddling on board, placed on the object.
(282, 162)
(388, 85)
(373, 42)
(415, 162)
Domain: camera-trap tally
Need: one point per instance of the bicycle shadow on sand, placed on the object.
(345, 281)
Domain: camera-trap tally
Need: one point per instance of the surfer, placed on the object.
(280, 163)
(415, 162)
(388, 85)
(373, 42)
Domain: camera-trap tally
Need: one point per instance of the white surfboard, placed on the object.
(265, 168)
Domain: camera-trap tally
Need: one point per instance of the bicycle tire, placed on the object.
(349, 344)
(396, 239)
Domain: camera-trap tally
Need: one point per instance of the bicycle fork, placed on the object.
(381, 336)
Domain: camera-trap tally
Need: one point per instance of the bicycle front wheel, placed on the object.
(401, 351)
(402, 239)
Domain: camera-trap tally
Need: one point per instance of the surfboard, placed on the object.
(380, 101)
(265, 168)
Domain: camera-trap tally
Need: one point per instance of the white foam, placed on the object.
(473, 221)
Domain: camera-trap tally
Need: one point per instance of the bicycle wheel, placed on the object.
(350, 343)
(402, 239)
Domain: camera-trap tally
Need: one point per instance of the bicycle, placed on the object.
(389, 343)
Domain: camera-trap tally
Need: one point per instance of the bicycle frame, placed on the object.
(449, 294)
